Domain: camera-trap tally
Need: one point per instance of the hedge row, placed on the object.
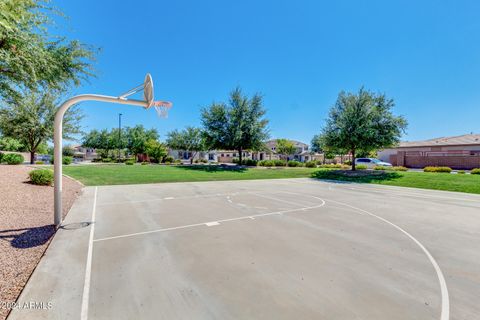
(437, 169)
(399, 168)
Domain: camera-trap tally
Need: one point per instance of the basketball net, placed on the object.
(162, 108)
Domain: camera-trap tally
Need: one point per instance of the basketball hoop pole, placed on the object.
(57, 141)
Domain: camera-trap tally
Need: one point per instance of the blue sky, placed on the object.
(298, 54)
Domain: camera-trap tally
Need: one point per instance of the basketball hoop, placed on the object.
(162, 108)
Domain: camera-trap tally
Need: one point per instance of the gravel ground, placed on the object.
(26, 217)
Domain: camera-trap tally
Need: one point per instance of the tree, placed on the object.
(67, 151)
(136, 138)
(104, 141)
(190, 139)
(285, 147)
(237, 126)
(362, 121)
(318, 145)
(155, 150)
(30, 119)
(30, 58)
(11, 144)
(99, 140)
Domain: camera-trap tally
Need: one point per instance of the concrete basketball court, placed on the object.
(265, 249)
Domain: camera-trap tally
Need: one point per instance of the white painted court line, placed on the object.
(211, 224)
(250, 217)
(88, 268)
(445, 313)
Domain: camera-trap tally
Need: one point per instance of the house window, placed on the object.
(234, 154)
(211, 156)
(228, 155)
(222, 155)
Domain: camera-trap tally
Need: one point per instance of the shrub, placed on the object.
(97, 160)
(347, 162)
(437, 169)
(13, 158)
(130, 162)
(203, 160)
(461, 172)
(310, 164)
(250, 162)
(168, 159)
(399, 168)
(67, 160)
(475, 171)
(167, 163)
(280, 163)
(39, 162)
(266, 163)
(43, 177)
(144, 163)
(361, 167)
(331, 166)
(106, 159)
(383, 168)
(293, 163)
(1, 157)
(178, 161)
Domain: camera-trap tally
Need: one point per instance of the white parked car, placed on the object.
(371, 162)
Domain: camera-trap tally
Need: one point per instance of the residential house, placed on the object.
(84, 153)
(457, 152)
(302, 154)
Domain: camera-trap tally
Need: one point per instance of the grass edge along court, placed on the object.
(96, 175)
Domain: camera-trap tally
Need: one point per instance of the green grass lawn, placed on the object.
(438, 181)
(95, 175)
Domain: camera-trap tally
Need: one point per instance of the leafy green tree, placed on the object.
(116, 141)
(318, 145)
(11, 144)
(190, 139)
(92, 139)
(68, 151)
(155, 150)
(362, 121)
(30, 119)
(98, 140)
(240, 125)
(104, 141)
(136, 138)
(285, 147)
(42, 148)
(31, 58)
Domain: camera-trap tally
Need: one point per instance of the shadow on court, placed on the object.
(359, 176)
(209, 168)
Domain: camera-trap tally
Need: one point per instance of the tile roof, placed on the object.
(466, 139)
